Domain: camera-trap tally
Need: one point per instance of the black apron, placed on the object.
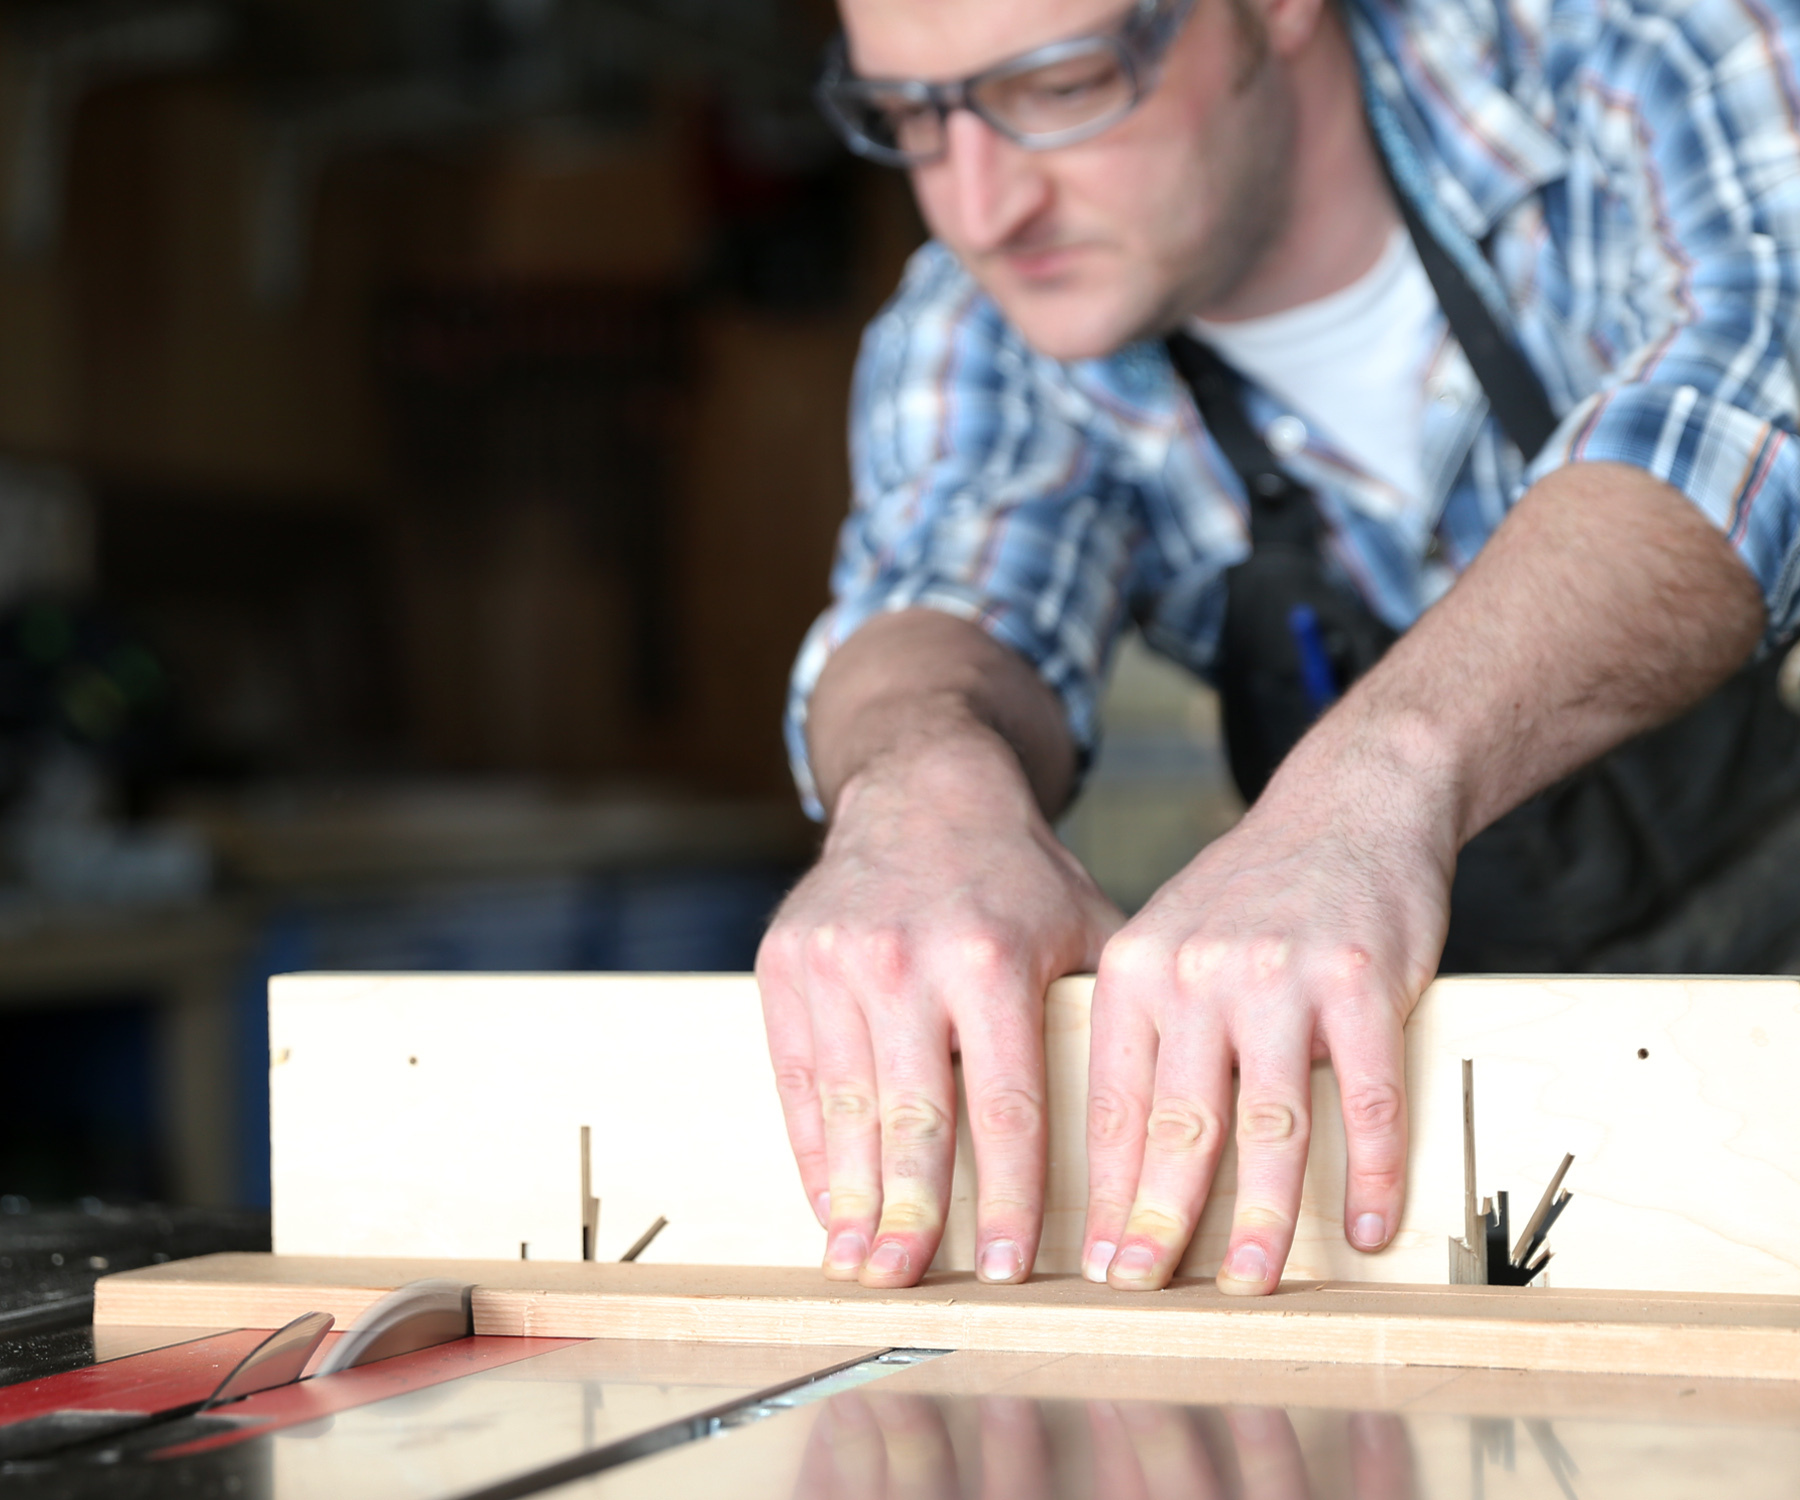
(1604, 867)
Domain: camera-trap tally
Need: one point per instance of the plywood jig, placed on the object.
(443, 1115)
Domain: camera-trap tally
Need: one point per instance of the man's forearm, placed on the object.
(920, 684)
(1604, 605)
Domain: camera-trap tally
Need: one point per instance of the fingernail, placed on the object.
(1099, 1260)
(1247, 1264)
(822, 1207)
(1134, 1263)
(890, 1259)
(1369, 1231)
(1001, 1261)
(846, 1252)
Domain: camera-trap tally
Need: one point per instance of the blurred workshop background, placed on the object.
(421, 446)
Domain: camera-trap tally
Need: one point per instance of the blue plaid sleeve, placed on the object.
(978, 492)
(1687, 195)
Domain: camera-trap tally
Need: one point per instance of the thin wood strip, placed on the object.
(1463, 1328)
(1216, 1332)
(231, 1304)
(369, 1276)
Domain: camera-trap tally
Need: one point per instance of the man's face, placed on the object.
(1090, 246)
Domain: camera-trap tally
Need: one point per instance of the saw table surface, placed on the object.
(486, 1418)
(1082, 1428)
(733, 1386)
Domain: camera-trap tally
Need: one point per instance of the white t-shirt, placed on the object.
(1353, 363)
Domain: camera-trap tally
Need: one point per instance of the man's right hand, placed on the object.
(938, 914)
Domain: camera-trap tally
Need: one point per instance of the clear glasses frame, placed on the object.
(1138, 44)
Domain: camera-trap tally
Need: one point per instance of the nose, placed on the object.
(997, 187)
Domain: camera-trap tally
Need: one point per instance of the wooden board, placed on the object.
(441, 1115)
(1464, 1327)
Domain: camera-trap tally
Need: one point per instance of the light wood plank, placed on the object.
(120, 1340)
(1466, 1327)
(441, 1115)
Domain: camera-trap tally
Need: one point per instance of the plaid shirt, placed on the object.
(1632, 168)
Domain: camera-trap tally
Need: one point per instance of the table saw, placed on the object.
(461, 1162)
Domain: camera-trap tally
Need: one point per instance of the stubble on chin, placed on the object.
(1252, 217)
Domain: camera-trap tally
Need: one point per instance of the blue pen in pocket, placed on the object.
(1316, 672)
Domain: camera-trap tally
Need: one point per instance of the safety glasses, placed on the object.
(1051, 96)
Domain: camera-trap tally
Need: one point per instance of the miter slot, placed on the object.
(818, 1386)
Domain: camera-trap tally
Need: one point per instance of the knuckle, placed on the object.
(796, 1083)
(985, 959)
(785, 949)
(1129, 958)
(906, 1217)
(849, 1204)
(1110, 1118)
(1260, 1216)
(884, 958)
(1106, 1208)
(819, 951)
(775, 953)
(1200, 960)
(1267, 957)
(915, 1121)
(846, 1108)
(1379, 1181)
(1156, 1223)
(1009, 1114)
(1267, 1122)
(1374, 1109)
(1000, 1206)
(1181, 1125)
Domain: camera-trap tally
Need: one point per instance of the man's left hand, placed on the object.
(1604, 604)
(1308, 931)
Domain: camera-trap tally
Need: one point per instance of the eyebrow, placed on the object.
(1114, 17)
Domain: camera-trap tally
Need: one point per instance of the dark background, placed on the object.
(421, 445)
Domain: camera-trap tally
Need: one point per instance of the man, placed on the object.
(1621, 185)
